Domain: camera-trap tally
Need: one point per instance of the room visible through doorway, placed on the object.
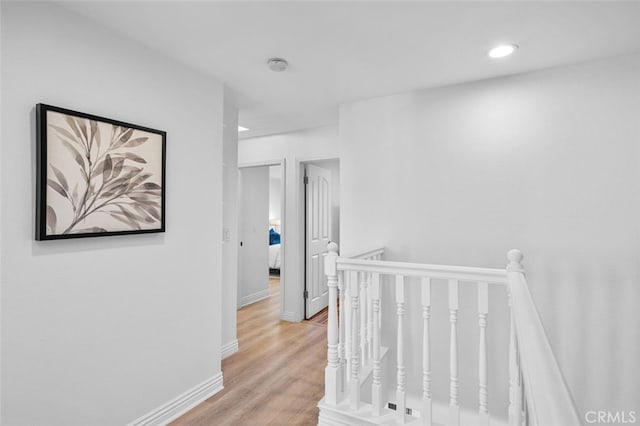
(260, 257)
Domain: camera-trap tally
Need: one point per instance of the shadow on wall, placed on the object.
(590, 315)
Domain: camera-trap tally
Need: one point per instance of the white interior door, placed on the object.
(253, 253)
(318, 231)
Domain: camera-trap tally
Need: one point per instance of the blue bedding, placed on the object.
(274, 237)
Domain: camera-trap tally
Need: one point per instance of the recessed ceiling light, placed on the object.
(242, 129)
(503, 50)
(277, 64)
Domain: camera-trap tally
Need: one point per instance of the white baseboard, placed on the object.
(229, 349)
(290, 316)
(178, 406)
(343, 415)
(255, 297)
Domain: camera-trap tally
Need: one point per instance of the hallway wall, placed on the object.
(101, 331)
(275, 192)
(229, 230)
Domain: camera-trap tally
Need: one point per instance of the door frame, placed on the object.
(283, 222)
(300, 163)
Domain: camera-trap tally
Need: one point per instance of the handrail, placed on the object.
(548, 399)
(462, 273)
(368, 254)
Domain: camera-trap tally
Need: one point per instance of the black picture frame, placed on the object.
(96, 176)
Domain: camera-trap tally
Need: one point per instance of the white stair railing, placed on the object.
(354, 386)
(401, 406)
(537, 393)
(333, 375)
(483, 395)
(427, 414)
(377, 392)
(537, 374)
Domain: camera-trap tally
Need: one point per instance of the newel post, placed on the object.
(515, 256)
(331, 372)
(515, 272)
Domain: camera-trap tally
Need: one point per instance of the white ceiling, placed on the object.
(346, 51)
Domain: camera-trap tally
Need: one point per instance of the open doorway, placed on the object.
(260, 226)
(322, 225)
(275, 228)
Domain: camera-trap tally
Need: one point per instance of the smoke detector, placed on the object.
(277, 64)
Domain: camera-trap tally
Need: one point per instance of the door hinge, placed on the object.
(306, 180)
(306, 294)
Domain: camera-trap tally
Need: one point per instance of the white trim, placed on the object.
(266, 163)
(290, 316)
(342, 415)
(284, 227)
(178, 406)
(254, 297)
(311, 158)
(365, 255)
(229, 349)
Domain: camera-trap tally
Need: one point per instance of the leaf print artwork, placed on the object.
(100, 176)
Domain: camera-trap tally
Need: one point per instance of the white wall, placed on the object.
(546, 162)
(1, 198)
(275, 192)
(100, 331)
(253, 262)
(229, 230)
(294, 148)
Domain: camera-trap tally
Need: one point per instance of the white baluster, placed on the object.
(369, 319)
(364, 356)
(454, 406)
(341, 332)
(515, 389)
(331, 371)
(348, 279)
(483, 311)
(377, 393)
(515, 379)
(400, 390)
(525, 407)
(426, 352)
(354, 385)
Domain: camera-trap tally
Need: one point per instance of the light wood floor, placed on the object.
(277, 377)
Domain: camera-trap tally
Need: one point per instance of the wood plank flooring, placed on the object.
(277, 377)
(321, 317)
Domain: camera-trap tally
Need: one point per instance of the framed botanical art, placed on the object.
(97, 176)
